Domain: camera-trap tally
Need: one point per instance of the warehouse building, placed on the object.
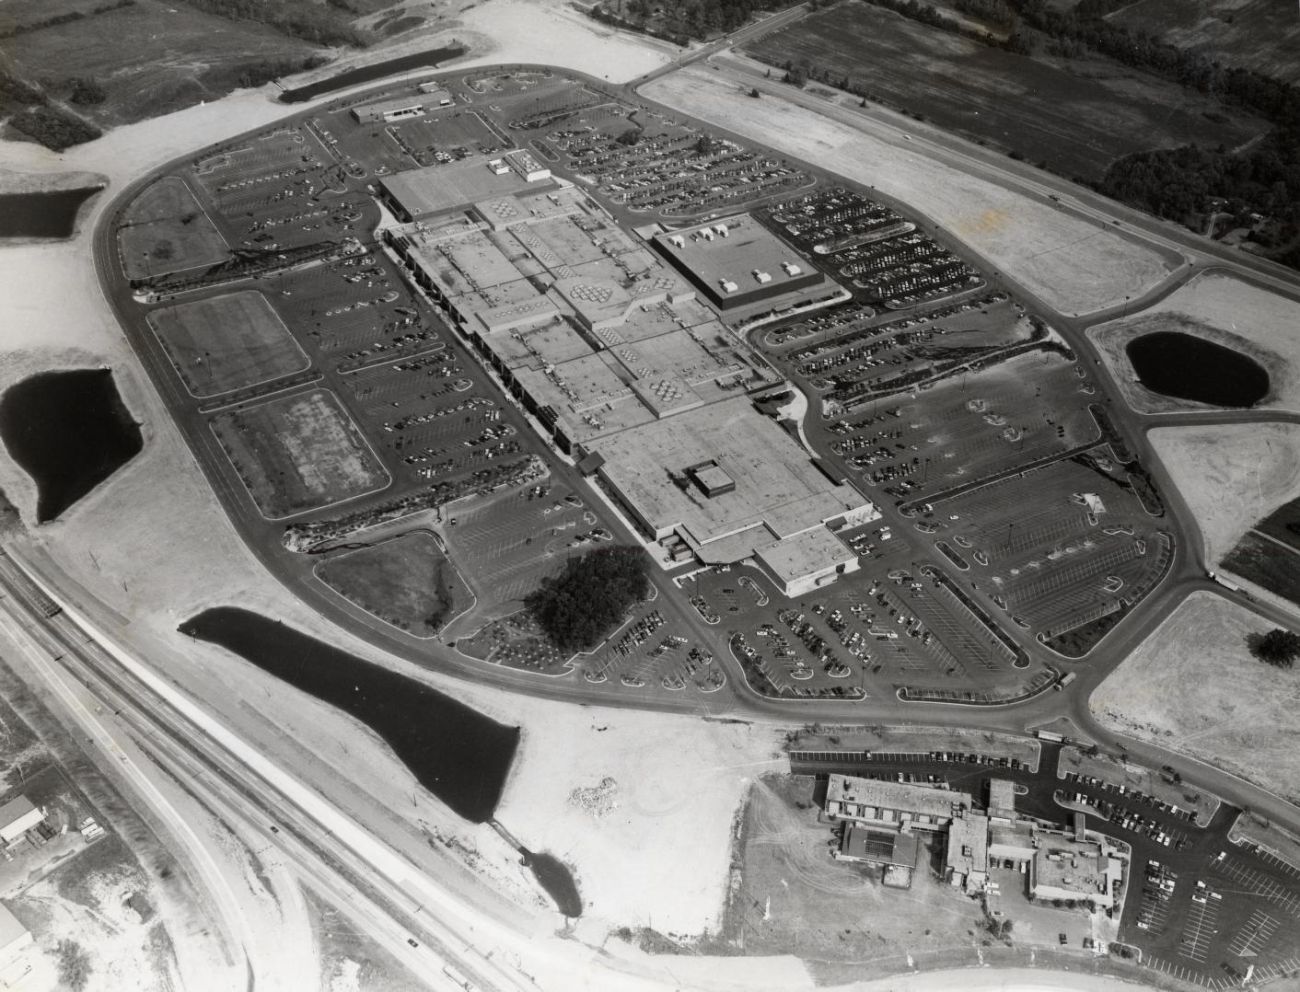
(397, 109)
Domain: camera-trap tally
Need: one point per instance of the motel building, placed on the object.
(884, 821)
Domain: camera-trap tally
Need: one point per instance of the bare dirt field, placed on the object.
(166, 231)
(227, 342)
(1071, 263)
(1230, 475)
(794, 898)
(406, 581)
(299, 453)
(1074, 116)
(1222, 309)
(1192, 686)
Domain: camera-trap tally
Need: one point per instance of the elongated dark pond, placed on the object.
(42, 215)
(455, 752)
(1190, 368)
(69, 431)
(366, 73)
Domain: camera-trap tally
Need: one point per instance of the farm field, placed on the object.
(164, 230)
(162, 56)
(1074, 116)
(405, 581)
(1193, 686)
(1268, 563)
(299, 453)
(1257, 34)
(227, 342)
(1071, 263)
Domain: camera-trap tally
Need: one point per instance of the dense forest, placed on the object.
(579, 606)
(1184, 184)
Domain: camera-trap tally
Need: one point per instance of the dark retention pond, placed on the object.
(366, 73)
(455, 752)
(1191, 368)
(42, 215)
(69, 431)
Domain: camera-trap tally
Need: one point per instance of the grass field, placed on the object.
(1074, 116)
(407, 582)
(164, 230)
(1258, 34)
(151, 58)
(227, 342)
(299, 453)
(1192, 685)
(1273, 566)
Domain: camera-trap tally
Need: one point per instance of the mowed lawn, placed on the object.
(299, 453)
(406, 581)
(227, 342)
(1075, 116)
(1193, 686)
(151, 57)
(164, 230)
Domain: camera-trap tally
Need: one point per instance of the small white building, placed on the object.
(17, 817)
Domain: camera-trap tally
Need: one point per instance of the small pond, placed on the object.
(1190, 368)
(42, 215)
(69, 431)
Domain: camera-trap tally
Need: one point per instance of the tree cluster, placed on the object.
(268, 69)
(1180, 184)
(923, 13)
(681, 20)
(74, 965)
(86, 91)
(313, 23)
(54, 128)
(579, 606)
(1279, 648)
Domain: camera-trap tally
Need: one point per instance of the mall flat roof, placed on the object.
(881, 847)
(968, 843)
(439, 188)
(805, 553)
(775, 478)
(748, 256)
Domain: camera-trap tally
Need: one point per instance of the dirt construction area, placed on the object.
(1069, 262)
(1230, 475)
(1193, 686)
(794, 898)
(299, 453)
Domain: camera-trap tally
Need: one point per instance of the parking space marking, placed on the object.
(1254, 935)
(1199, 930)
(1258, 883)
